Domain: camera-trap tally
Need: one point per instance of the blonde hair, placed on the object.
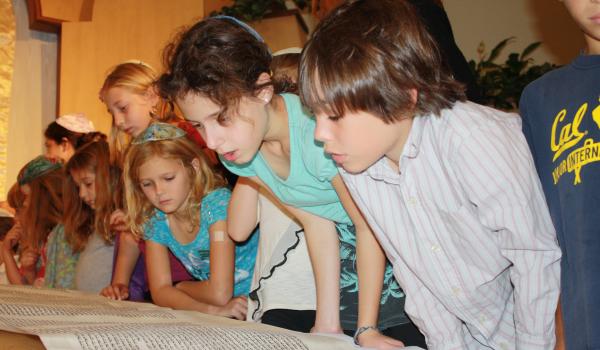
(203, 180)
(80, 220)
(139, 78)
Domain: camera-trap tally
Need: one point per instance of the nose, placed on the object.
(119, 120)
(82, 193)
(213, 137)
(322, 132)
(158, 189)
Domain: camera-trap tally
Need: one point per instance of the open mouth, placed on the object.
(229, 156)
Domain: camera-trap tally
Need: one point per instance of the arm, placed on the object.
(127, 257)
(370, 260)
(218, 289)
(12, 269)
(324, 251)
(242, 211)
(510, 203)
(560, 331)
(164, 294)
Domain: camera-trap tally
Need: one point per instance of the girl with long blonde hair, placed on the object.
(177, 203)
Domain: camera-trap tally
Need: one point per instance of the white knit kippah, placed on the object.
(76, 122)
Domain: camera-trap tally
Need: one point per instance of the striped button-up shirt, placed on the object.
(466, 226)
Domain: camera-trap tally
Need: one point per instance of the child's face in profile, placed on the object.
(86, 183)
(166, 183)
(358, 139)
(586, 14)
(130, 111)
(236, 137)
(57, 152)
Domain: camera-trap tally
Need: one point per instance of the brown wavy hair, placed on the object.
(80, 220)
(215, 58)
(139, 209)
(285, 72)
(368, 56)
(45, 209)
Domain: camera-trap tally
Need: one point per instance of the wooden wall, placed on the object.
(96, 35)
(119, 31)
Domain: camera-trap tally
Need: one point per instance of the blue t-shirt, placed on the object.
(561, 121)
(195, 256)
(308, 187)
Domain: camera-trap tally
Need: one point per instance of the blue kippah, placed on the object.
(158, 132)
(36, 168)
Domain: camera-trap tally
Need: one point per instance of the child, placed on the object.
(92, 193)
(129, 94)
(448, 186)
(177, 203)
(218, 73)
(283, 287)
(13, 204)
(66, 134)
(561, 121)
(7, 221)
(39, 217)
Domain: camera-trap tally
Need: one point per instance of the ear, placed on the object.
(414, 95)
(265, 93)
(196, 164)
(64, 144)
(152, 96)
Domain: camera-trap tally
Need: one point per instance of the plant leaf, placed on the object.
(496, 50)
(529, 49)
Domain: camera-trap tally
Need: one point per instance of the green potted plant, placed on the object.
(501, 84)
(278, 21)
(251, 10)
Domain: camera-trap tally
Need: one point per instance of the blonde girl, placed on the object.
(129, 94)
(177, 203)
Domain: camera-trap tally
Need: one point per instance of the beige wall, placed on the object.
(33, 101)
(90, 49)
(527, 20)
(33, 96)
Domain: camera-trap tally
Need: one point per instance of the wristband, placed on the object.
(360, 331)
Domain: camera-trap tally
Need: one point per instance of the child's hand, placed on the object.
(117, 291)
(29, 258)
(12, 237)
(373, 339)
(117, 221)
(38, 282)
(236, 308)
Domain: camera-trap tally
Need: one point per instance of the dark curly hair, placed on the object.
(215, 58)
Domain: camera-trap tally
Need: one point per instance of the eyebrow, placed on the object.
(159, 175)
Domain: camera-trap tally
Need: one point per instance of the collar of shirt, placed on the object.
(382, 170)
